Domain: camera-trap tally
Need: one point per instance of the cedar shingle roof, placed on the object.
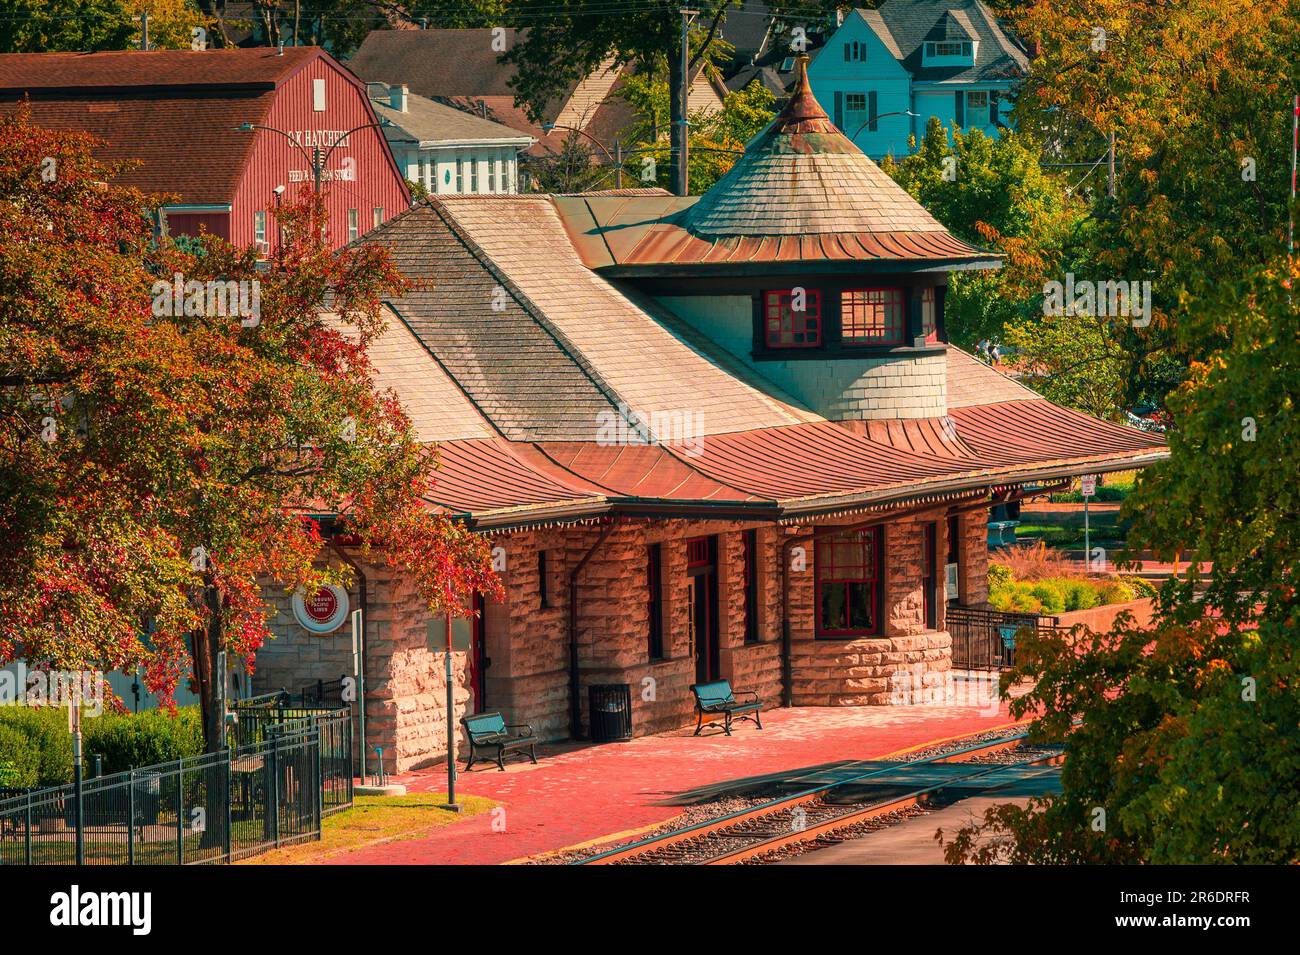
(802, 192)
(801, 176)
(515, 396)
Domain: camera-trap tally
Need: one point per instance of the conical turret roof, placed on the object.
(802, 176)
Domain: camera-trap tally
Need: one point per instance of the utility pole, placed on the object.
(1110, 162)
(1295, 142)
(683, 154)
(144, 30)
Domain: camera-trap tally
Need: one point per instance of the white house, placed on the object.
(886, 72)
(447, 150)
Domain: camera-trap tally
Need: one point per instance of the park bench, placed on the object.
(489, 731)
(717, 700)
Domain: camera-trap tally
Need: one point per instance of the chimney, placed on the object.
(397, 96)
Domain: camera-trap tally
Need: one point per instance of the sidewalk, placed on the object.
(579, 794)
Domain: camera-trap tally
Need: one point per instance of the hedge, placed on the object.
(36, 748)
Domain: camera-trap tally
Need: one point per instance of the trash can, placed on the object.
(611, 712)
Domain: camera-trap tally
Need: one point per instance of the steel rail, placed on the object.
(784, 803)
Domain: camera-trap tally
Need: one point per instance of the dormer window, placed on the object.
(793, 318)
(941, 52)
(871, 316)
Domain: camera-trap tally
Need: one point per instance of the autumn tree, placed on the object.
(164, 457)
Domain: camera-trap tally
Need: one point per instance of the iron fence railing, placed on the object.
(256, 723)
(265, 793)
(986, 639)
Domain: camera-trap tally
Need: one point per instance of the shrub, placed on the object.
(1115, 592)
(20, 763)
(47, 738)
(1052, 593)
(1036, 562)
(129, 741)
(999, 574)
(1081, 595)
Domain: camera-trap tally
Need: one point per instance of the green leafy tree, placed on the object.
(717, 138)
(48, 26)
(564, 45)
(1189, 745)
(1197, 95)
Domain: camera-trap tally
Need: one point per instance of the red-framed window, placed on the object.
(929, 311)
(849, 583)
(697, 552)
(787, 327)
(871, 316)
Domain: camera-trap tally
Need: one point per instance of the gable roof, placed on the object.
(260, 68)
(119, 97)
(426, 121)
(906, 25)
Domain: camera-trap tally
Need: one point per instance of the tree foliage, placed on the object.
(157, 468)
(46, 26)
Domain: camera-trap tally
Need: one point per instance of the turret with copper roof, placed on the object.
(802, 192)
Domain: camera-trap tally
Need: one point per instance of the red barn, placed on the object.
(178, 114)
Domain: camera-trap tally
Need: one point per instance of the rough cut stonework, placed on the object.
(405, 686)
(837, 671)
(526, 638)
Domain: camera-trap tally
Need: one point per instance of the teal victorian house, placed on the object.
(886, 72)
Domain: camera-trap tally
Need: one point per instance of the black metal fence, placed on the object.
(986, 639)
(262, 794)
(256, 721)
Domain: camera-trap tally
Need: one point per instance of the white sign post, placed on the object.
(1088, 487)
(359, 671)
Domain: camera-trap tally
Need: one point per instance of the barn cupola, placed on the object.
(806, 260)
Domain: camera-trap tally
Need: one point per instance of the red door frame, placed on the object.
(477, 657)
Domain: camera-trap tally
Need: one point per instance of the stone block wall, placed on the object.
(405, 695)
(836, 671)
(526, 639)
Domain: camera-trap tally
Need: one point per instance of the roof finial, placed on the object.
(803, 114)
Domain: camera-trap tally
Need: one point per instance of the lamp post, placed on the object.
(878, 117)
(315, 159)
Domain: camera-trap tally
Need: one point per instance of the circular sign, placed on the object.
(321, 612)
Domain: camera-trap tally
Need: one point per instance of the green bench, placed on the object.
(488, 731)
(717, 701)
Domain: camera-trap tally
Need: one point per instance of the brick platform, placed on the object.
(578, 795)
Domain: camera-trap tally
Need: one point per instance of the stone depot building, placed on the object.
(715, 436)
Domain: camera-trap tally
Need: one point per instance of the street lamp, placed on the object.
(315, 159)
(880, 116)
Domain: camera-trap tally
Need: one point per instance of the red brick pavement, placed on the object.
(577, 795)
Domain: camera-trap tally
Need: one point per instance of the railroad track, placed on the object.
(812, 815)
